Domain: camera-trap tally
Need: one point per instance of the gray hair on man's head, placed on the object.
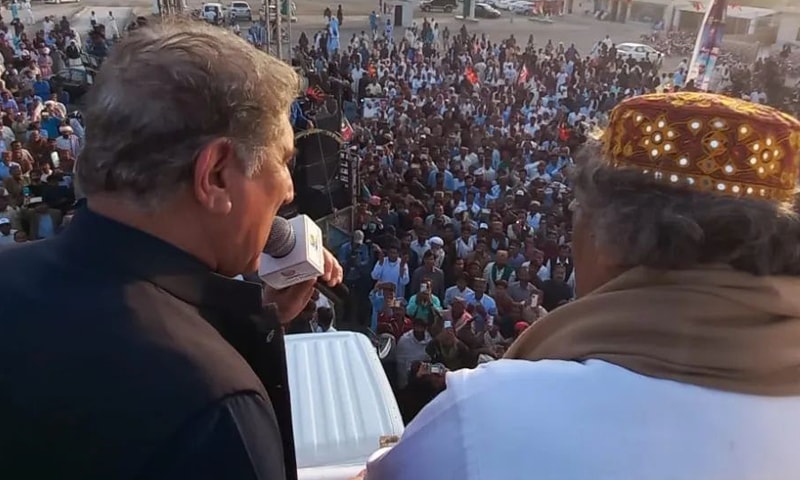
(166, 92)
(638, 221)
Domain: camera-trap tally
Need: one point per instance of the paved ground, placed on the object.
(579, 29)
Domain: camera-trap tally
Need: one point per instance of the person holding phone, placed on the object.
(391, 268)
(423, 304)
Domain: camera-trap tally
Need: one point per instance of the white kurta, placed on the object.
(557, 420)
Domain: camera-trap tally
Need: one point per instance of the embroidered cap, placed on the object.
(707, 142)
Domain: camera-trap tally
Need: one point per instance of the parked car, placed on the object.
(484, 10)
(640, 51)
(213, 13)
(522, 8)
(446, 6)
(241, 11)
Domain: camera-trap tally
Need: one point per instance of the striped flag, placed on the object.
(524, 74)
(708, 44)
(347, 129)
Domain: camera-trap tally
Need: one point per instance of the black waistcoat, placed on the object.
(111, 339)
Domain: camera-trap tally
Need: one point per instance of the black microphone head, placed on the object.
(281, 239)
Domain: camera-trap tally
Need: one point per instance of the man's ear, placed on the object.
(211, 188)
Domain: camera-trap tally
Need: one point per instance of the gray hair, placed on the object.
(166, 92)
(640, 221)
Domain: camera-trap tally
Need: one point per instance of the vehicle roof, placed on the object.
(633, 45)
(212, 4)
(342, 403)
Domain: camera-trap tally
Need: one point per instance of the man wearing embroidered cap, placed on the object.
(680, 359)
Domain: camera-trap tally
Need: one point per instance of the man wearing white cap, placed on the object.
(68, 141)
(6, 234)
(438, 252)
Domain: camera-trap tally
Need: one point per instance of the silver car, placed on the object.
(241, 11)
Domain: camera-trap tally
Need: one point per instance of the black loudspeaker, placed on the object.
(317, 163)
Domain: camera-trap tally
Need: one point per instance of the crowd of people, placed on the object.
(463, 235)
(130, 349)
(42, 134)
(42, 131)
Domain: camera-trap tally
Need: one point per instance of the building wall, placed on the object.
(788, 29)
(640, 9)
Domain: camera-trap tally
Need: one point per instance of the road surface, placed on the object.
(584, 31)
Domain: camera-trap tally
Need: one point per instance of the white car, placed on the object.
(500, 4)
(213, 12)
(61, 1)
(639, 51)
(240, 11)
(522, 8)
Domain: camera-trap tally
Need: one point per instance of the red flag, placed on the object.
(347, 130)
(523, 75)
(372, 71)
(471, 76)
(315, 93)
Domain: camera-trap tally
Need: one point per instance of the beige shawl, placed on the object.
(717, 328)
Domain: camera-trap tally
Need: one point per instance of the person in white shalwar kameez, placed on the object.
(679, 360)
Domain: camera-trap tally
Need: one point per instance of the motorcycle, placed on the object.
(386, 335)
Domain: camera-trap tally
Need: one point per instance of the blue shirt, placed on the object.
(376, 299)
(46, 227)
(297, 117)
(42, 89)
(51, 126)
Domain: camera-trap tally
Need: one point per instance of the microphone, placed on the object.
(293, 254)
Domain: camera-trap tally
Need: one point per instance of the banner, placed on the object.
(708, 44)
(373, 107)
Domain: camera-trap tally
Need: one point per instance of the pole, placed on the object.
(267, 27)
(279, 29)
(289, 55)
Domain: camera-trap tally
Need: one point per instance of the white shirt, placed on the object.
(410, 350)
(387, 271)
(558, 420)
(465, 248)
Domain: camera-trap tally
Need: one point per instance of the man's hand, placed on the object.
(333, 271)
(290, 301)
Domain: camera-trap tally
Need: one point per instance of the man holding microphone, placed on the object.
(127, 350)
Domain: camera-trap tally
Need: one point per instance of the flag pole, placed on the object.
(289, 54)
(279, 29)
(707, 45)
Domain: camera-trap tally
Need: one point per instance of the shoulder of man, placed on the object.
(237, 437)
